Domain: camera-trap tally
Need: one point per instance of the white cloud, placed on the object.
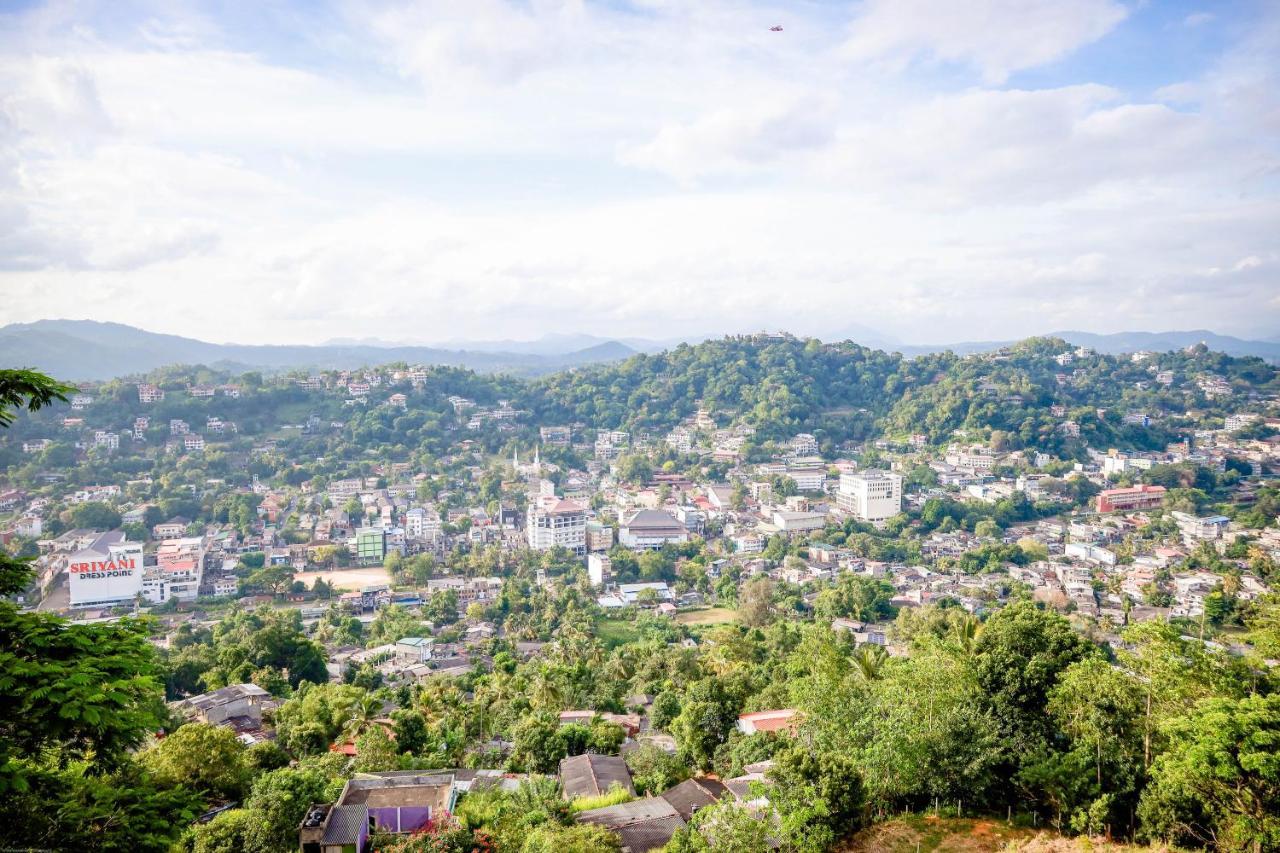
(996, 36)
(496, 169)
(734, 141)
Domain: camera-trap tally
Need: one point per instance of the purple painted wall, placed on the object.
(401, 819)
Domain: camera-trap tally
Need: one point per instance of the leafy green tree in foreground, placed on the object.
(1218, 783)
(83, 690)
(74, 701)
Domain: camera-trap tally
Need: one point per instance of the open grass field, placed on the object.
(616, 632)
(348, 579)
(707, 616)
(927, 834)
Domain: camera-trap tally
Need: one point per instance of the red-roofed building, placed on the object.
(1136, 497)
(785, 719)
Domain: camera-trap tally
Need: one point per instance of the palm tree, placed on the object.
(869, 658)
(620, 667)
(546, 693)
(965, 633)
(363, 714)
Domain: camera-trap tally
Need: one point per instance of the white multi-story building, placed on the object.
(872, 496)
(804, 444)
(422, 523)
(106, 572)
(150, 394)
(104, 438)
(178, 570)
(557, 522)
(599, 569)
(1239, 421)
(680, 439)
(808, 478)
(975, 459)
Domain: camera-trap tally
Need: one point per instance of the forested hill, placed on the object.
(1036, 395)
(780, 382)
(843, 391)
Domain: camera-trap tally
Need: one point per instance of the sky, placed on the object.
(926, 170)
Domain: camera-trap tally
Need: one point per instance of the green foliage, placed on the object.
(86, 690)
(856, 597)
(314, 717)
(78, 807)
(615, 795)
(707, 714)
(279, 798)
(1218, 783)
(233, 831)
(256, 647)
(1018, 656)
(653, 770)
(94, 515)
(581, 838)
(27, 389)
(209, 759)
(376, 751)
(724, 826)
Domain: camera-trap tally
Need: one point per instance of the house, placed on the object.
(635, 593)
(804, 444)
(399, 802)
(629, 723)
(414, 649)
(591, 775)
(641, 825)
(225, 704)
(793, 522)
(171, 529)
(691, 795)
(149, 394)
(785, 719)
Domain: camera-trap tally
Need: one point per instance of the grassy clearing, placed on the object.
(707, 616)
(616, 632)
(612, 797)
(930, 834)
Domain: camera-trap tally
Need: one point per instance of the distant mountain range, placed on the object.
(1120, 343)
(85, 349)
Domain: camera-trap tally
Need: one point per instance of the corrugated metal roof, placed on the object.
(694, 794)
(643, 825)
(589, 775)
(649, 835)
(345, 824)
